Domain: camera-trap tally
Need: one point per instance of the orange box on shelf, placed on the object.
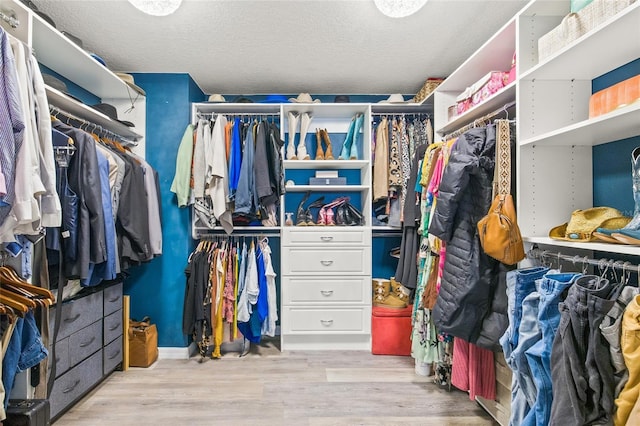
(391, 331)
(617, 96)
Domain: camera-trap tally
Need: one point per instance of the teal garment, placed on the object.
(181, 185)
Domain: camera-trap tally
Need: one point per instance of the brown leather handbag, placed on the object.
(498, 230)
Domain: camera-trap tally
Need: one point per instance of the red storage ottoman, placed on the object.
(391, 331)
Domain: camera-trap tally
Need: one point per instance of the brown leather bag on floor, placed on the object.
(498, 230)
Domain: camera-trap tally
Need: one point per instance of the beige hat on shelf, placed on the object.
(128, 78)
(218, 98)
(304, 98)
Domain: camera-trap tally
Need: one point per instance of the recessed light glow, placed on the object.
(399, 8)
(157, 7)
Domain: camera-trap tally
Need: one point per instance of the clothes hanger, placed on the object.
(10, 277)
(18, 308)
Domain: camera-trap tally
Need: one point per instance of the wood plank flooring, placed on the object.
(267, 387)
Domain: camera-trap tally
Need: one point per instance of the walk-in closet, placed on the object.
(358, 212)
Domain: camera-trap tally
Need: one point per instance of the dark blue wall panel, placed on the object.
(157, 288)
(612, 184)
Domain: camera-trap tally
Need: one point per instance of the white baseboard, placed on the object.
(176, 353)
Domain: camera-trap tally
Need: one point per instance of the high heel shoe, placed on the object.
(328, 152)
(308, 212)
(301, 218)
(341, 215)
(354, 216)
(319, 151)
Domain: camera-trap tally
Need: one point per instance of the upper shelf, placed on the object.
(326, 164)
(619, 124)
(57, 52)
(408, 108)
(593, 54)
(327, 188)
(499, 99)
(232, 108)
(495, 55)
(602, 247)
(82, 111)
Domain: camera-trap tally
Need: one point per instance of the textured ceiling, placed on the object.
(268, 46)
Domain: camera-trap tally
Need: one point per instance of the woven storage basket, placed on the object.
(427, 88)
(569, 30)
(598, 11)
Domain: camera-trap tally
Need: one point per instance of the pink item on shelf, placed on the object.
(488, 85)
(512, 72)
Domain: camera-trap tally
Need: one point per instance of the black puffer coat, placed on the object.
(472, 299)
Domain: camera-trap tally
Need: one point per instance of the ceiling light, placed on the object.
(398, 8)
(157, 7)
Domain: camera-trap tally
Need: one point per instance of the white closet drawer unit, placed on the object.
(314, 261)
(331, 290)
(326, 320)
(326, 235)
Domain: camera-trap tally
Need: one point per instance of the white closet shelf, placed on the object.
(382, 228)
(80, 110)
(258, 229)
(592, 54)
(408, 108)
(326, 164)
(59, 53)
(234, 108)
(327, 188)
(616, 125)
(503, 97)
(494, 55)
(329, 110)
(602, 247)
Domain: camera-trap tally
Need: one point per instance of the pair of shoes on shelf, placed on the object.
(390, 294)
(323, 154)
(348, 215)
(350, 145)
(298, 152)
(326, 214)
(304, 217)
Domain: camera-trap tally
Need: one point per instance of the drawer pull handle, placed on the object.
(115, 354)
(114, 327)
(85, 344)
(326, 292)
(327, 262)
(325, 238)
(69, 320)
(327, 322)
(73, 386)
(115, 299)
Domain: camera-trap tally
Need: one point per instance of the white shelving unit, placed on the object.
(555, 133)
(326, 164)
(591, 246)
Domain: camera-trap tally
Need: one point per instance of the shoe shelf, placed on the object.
(593, 246)
(327, 188)
(326, 164)
(593, 54)
(618, 124)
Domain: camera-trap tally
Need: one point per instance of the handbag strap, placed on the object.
(502, 177)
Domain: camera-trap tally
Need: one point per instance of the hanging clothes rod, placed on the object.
(96, 128)
(10, 19)
(481, 120)
(222, 235)
(536, 253)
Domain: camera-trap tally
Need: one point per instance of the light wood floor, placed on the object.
(271, 388)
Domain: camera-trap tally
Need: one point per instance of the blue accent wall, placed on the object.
(612, 185)
(157, 288)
